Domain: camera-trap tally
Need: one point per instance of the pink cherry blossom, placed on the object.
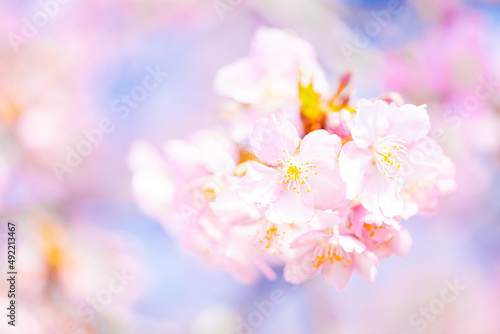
(267, 81)
(337, 256)
(276, 189)
(376, 161)
(339, 123)
(228, 248)
(381, 235)
(177, 186)
(221, 234)
(270, 75)
(298, 176)
(421, 194)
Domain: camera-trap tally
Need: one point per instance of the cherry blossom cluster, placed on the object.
(299, 179)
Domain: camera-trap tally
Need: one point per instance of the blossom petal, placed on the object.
(357, 217)
(370, 122)
(353, 163)
(274, 139)
(265, 269)
(260, 184)
(365, 265)
(318, 150)
(295, 207)
(239, 81)
(308, 238)
(349, 244)
(184, 159)
(326, 219)
(336, 274)
(327, 187)
(381, 195)
(319, 146)
(401, 243)
(408, 122)
(281, 51)
(446, 179)
(424, 157)
(230, 208)
(300, 269)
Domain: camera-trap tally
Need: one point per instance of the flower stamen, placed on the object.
(389, 154)
(294, 176)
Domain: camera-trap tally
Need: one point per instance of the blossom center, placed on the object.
(416, 191)
(271, 233)
(272, 239)
(371, 229)
(296, 174)
(390, 154)
(209, 194)
(330, 253)
(293, 172)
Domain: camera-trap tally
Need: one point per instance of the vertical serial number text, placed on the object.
(11, 273)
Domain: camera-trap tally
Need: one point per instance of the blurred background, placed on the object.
(66, 68)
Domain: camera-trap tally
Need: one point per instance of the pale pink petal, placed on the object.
(274, 139)
(327, 187)
(381, 195)
(380, 235)
(370, 122)
(393, 97)
(348, 243)
(401, 243)
(278, 50)
(216, 160)
(411, 206)
(353, 163)
(271, 215)
(357, 218)
(408, 122)
(446, 176)
(230, 208)
(423, 160)
(365, 265)
(241, 272)
(319, 146)
(184, 159)
(143, 155)
(239, 81)
(308, 238)
(318, 151)
(260, 184)
(336, 274)
(294, 207)
(265, 269)
(326, 219)
(375, 219)
(154, 191)
(301, 268)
